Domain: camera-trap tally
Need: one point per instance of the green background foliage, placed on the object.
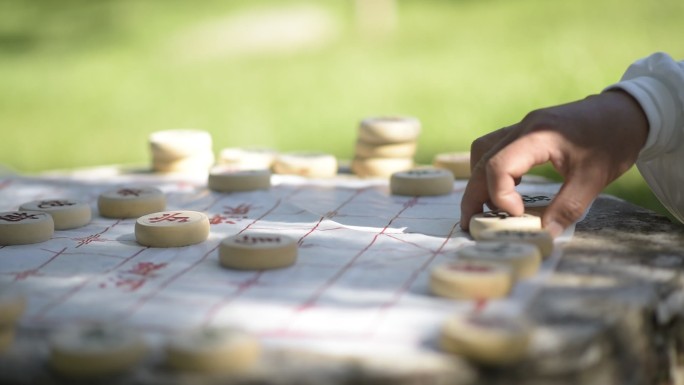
(85, 82)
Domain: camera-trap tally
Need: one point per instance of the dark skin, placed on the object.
(590, 142)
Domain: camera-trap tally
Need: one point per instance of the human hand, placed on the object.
(590, 142)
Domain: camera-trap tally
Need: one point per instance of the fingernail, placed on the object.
(554, 228)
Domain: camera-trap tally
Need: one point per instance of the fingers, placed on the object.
(474, 196)
(576, 138)
(498, 176)
(506, 167)
(476, 193)
(490, 144)
(497, 173)
(573, 199)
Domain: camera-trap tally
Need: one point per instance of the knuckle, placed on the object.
(495, 165)
(570, 211)
(539, 119)
(485, 143)
(480, 146)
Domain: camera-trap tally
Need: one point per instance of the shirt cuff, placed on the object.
(658, 104)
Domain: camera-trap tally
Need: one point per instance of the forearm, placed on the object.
(657, 84)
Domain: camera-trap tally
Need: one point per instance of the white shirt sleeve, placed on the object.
(657, 83)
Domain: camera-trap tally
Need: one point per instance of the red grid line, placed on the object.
(262, 216)
(215, 201)
(412, 278)
(45, 309)
(296, 191)
(18, 276)
(174, 277)
(242, 287)
(103, 255)
(420, 247)
(330, 214)
(166, 283)
(334, 228)
(301, 240)
(96, 236)
(254, 280)
(311, 301)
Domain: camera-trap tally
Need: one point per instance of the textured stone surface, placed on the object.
(616, 276)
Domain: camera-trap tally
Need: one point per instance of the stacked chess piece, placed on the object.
(456, 162)
(12, 306)
(237, 158)
(184, 151)
(385, 145)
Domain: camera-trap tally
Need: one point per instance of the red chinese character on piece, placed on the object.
(173, 217)
(54, 203)
(239, 211)
(218, 219)
(129, 191)
(18, 217)
(146, 269)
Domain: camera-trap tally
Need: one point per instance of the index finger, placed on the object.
(474, 196)
(485, 146)
(476, 192)
(511, 163)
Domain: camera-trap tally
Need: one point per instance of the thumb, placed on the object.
(573, 199)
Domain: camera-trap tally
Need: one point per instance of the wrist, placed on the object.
(626, 115)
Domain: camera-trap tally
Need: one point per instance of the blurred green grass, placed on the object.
(85, 82)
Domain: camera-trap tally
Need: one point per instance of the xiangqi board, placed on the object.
(360, 282)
